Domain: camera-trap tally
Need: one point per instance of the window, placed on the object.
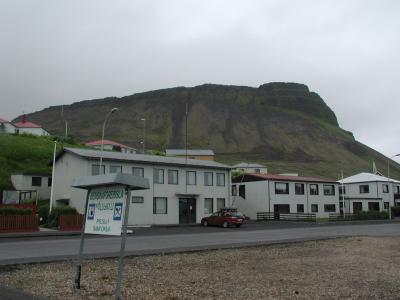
(314, 207)
(398, 189)
(242, 191)
(208, 178)
(281, 188)
(234, 190)
(386, 205)
(49, 181)
(374, 206)
(314, 189)
(329, 208)
(208, 205)
(138, 172)
(329, 190)
(220, 179)
(115, 169)
(357, 207)
(36, 181)
(299, 189)
(385, 188)
(220, 203)
(96, 169)
(172, 176)
(160, 205)
(191, 177)
(342, 190)
(300, 208)
(137, 199)
(158, 176)
(258, 171)
(364, 189)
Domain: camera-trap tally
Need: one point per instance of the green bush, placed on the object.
(372, 215)
(14, 211)
(54, 217)
(43, 212)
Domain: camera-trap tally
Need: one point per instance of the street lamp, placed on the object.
(388, 178)
(144, 135)
(102, 136)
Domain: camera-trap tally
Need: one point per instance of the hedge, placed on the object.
(54, 217)
(6, 211)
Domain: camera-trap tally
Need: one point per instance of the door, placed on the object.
(281, 209)
(187, 210)
(357, 207)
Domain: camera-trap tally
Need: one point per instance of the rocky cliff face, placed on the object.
(283, 125)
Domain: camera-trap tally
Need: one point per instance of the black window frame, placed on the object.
(285, 192)
(36, 181)
(49, 181)
(234, 190)
(138, 168)
(363, 186)
(98, 168)
(187, 177)
(212, 179)
(217, 179)
(155, 206)
(302, 191)
(385, 185)
(218, 199)
(115, 166)
(170, 171)
(156, 171)
(137, 197)
(329, 210)
(314, 210)
(317, 190)
(300, 210)
(212, 205)
(332, 186)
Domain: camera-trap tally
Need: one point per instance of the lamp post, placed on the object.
(388, 178)
(102, 136)
(144, 135)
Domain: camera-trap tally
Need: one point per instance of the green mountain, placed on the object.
(282, 125)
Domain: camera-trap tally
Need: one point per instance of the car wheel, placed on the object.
(225, 224)
(205, 223)
(238, 225)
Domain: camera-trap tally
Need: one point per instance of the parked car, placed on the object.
(225, 218)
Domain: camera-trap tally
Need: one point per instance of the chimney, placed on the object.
(24, 118)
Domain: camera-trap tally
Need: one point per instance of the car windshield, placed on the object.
(237, 215)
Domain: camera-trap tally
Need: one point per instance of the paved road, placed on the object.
(31, 250)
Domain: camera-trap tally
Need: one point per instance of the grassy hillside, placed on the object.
(24, 154)
(283, 125)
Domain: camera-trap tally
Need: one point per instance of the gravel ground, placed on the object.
(352, 268)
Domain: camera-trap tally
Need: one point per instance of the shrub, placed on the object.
(396, 211)
(43, 212)
(54, 217)
(14, 211)
(372, 215)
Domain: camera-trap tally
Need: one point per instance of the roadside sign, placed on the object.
(105, 210)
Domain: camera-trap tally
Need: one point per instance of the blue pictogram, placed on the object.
(91, 211)
(117, 212)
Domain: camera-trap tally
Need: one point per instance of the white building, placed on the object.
(203, 154)
(179, 192)
(111, 145)
(254, 193)
(367, 191)
(30, 128)
(26, 183)
(6, 127)
(250, 168)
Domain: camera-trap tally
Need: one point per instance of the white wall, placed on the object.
(7, 128)
(24, 183)
(69, 167)
(34, 131)
(261, 197)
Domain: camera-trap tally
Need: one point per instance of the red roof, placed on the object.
(106, 142)
(27, 125)
(3, 121)
(288, 178)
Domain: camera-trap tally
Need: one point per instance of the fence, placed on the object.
(265, 216)
(359, 216)
(13, 223)
(70, 222)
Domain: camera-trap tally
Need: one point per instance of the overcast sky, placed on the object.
(59, 52)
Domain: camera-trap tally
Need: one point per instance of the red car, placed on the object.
(225, 218)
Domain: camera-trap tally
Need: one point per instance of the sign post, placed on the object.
(106, 212)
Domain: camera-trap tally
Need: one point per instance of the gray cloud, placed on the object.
(56, 52)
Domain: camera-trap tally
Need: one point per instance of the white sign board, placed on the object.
(105, 211)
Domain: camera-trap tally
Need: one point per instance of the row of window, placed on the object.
(283, 188)
(160, 204)
(172, 175)
(364, 189)
(37, 181)
(314, 208)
